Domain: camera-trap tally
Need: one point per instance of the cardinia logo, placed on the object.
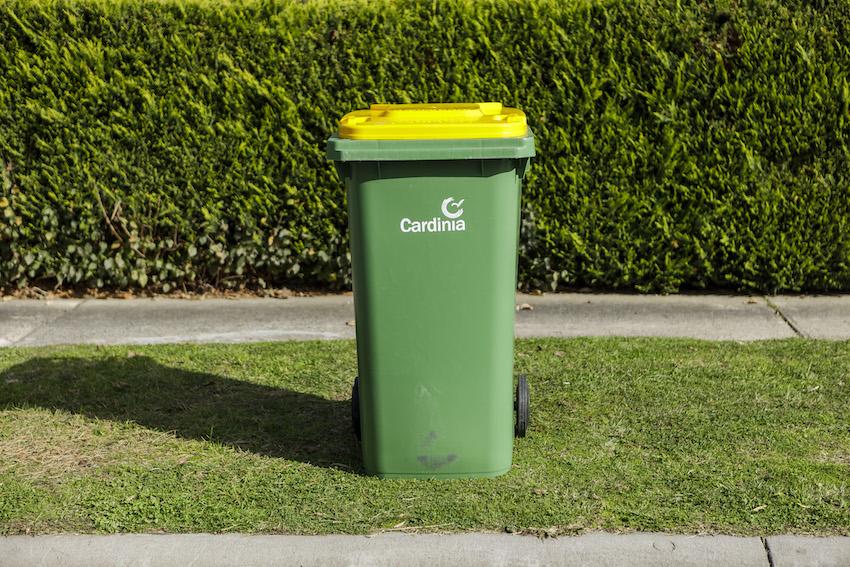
(449, 222)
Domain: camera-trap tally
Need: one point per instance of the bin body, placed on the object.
(434, 235)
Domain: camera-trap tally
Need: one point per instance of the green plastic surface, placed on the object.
(341, 149)
(434, 264)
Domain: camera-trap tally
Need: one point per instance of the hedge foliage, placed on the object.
(168, 143)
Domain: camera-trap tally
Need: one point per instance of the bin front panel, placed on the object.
(434, 251)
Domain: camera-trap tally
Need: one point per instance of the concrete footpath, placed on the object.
(159, 320)
(431, 550)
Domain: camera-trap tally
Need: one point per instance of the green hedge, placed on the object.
(682, 144)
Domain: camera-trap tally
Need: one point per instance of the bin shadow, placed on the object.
(268, 421)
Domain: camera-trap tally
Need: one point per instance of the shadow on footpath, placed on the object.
(268, 421)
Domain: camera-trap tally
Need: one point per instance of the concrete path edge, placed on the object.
(165, 320)
(432, 550)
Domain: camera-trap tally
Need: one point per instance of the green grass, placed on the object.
(627, 434)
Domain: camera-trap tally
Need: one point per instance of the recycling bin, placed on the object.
(433, 196)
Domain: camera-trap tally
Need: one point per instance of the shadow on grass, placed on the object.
(264, 420)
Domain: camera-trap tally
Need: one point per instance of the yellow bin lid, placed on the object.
(450, 121)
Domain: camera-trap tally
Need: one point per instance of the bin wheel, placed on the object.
(355, 407)
(521, 406)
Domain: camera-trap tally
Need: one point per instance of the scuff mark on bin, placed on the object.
(434, 462)
(428, 442)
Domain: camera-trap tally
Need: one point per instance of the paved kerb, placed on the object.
(431, 550)
(165, 320)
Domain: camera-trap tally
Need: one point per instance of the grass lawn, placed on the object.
(627, 434)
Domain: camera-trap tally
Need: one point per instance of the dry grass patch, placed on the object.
(47, 444)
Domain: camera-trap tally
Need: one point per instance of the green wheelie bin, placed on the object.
(434, 202)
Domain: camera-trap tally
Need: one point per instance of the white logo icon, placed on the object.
(449, 204)
(449, 222)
